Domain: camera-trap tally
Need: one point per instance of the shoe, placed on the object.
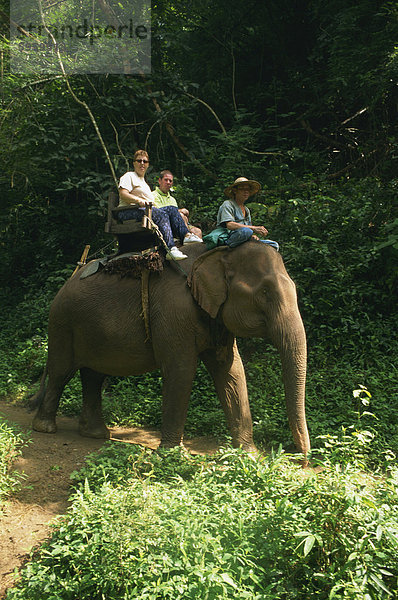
(191, 237)
(175, 254)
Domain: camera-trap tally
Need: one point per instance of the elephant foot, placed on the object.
(245, 445)
(170, 444)
(44, 425)
(171, 439)
(250, 449)
(297, 457)
(100, 433)
(301, 461)
(183, 449)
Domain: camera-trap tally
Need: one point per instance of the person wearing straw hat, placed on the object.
(234, 225)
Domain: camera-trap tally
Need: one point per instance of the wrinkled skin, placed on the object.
(96, 326)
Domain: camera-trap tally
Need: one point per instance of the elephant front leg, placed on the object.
(176, 391)
(230, 381)
(91, 423)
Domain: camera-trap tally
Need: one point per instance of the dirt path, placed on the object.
(47, 463)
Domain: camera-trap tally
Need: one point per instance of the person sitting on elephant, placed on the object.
(234, 225)
(163, 198)
(135, 194)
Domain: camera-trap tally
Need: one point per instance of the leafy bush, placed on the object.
(330, 405)
(116, 465)
(332, 242)
(236, 526)
(11, 443)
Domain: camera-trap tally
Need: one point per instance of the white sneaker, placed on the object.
(191, 237)
(175, 254)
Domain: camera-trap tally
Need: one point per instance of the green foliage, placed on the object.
(11, 443)
(118, 464)
(330, 406)
(134, 400)
(354, 439)
(306, 105)
(145, 526)
(24, 368)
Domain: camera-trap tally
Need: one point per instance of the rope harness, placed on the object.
(145, 278)
(161, 238)
(145, 303)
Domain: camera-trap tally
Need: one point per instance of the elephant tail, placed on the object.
(35, 401)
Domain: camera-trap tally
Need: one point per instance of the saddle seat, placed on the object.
(133, 234)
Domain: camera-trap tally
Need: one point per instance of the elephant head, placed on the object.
(249, 289)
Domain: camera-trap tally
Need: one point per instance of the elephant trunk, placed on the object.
(292, 348)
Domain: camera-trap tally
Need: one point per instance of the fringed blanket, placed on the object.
(126, 265)
(132, 265)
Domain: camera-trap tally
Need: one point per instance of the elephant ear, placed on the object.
(208, 281)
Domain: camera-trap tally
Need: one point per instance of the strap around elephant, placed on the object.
(161, 238)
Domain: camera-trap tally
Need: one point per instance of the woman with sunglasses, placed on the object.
(135, 194)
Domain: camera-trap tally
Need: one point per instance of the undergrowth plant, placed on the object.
(11, 442)
(146, 525)
(358, 441)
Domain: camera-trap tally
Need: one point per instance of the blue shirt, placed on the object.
(231, 211)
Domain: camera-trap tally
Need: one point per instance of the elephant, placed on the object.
(196, 309)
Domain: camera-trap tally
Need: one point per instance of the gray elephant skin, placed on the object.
(96, 326)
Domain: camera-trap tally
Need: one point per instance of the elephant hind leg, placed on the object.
(91, 423)
(61, 368)
(35, 401)
(44, 420)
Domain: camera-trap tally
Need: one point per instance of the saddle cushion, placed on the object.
(129, 264)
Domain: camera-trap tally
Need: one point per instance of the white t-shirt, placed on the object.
(136, 184)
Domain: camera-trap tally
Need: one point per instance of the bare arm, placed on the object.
(131, 198)
(259, 229)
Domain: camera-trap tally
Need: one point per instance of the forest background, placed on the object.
(301, 96)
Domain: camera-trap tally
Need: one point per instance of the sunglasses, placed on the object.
(142, 160)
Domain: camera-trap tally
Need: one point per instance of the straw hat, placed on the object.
(254, 186)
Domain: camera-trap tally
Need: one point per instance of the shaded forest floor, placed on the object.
(47, 463)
